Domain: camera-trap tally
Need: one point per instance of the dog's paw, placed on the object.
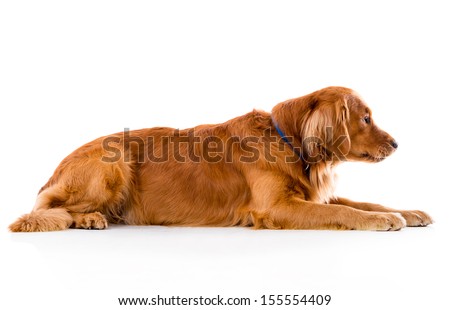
(416, 218)
(386, 221)
(94, 220)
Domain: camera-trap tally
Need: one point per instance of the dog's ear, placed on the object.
(342, 143)
(324, 132)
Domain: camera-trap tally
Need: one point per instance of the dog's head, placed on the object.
(334, 124)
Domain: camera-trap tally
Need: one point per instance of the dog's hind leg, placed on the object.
(93, 220)
(54, 210)
(84, 196)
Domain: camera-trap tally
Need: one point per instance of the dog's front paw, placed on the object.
(386, 221)
(416, 218)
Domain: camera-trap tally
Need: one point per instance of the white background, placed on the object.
(71, 71)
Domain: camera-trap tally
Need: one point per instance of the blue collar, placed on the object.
(285, 139)
(283, 136)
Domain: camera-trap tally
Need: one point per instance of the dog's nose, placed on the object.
(394, 144)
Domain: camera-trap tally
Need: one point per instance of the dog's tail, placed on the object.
(42, 220)
(43, 217)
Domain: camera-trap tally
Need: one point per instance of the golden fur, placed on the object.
(239, 173)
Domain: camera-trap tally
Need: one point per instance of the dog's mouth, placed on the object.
(382, 152)
(368, 157)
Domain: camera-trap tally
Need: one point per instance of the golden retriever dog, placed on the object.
(261, 170)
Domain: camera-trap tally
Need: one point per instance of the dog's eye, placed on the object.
(366, 119)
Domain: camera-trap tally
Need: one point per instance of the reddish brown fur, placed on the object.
(87, 191)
